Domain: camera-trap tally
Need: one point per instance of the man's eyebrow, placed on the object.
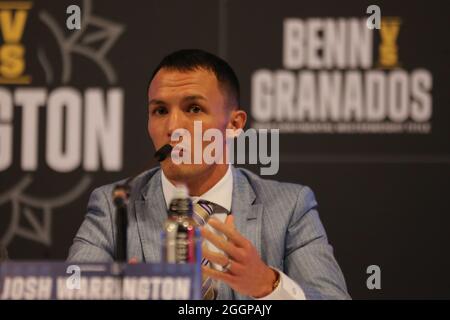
(156, 101)
(194, 97)
(187, 98)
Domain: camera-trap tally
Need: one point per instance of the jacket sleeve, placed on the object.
(94, 241)
(309, 257)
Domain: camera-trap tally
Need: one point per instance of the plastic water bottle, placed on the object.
(179, 238)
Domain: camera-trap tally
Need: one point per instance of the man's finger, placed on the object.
(234, 267)
(223, 276)
(221, 243)
(214, 257)
(229, 221)
(232, 234)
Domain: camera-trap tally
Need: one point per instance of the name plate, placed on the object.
(66, 281)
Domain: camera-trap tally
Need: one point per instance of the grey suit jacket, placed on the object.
(280, 219)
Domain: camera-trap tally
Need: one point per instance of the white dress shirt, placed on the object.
(221, 194)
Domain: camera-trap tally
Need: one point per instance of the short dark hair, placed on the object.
(193, 59)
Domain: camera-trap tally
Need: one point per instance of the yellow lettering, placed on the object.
(388, 51)
(12, 28)
(13, 62)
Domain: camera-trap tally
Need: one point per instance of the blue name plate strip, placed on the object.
(65, 281)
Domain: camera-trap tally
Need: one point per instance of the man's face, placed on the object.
(176, 100)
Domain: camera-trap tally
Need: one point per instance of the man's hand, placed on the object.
(247, 273)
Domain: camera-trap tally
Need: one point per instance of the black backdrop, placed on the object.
(382, 196)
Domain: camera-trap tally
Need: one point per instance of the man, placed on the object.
(275, 245)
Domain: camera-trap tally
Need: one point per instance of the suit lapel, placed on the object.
(246, 210)
(247, 214)
(151, 213)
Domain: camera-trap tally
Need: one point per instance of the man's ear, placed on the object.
(238, 119)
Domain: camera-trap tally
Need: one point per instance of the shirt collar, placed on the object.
(220, 193)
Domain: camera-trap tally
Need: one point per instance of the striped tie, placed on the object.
(203, 210)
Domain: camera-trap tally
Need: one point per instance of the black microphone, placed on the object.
(121, 194)
(163, 152)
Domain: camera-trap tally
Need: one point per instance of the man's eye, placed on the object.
(160, 110)
(194, 109)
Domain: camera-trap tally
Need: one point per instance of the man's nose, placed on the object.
(175, 121)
